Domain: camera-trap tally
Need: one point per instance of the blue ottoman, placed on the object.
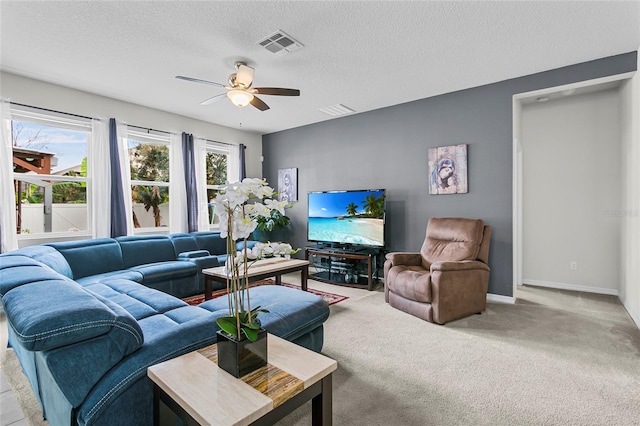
(294, 315)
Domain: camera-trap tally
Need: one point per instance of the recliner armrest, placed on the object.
(404, 258)
(464, 265)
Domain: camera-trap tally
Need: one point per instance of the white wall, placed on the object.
(572, 182)
(44, 95)
(630, 213)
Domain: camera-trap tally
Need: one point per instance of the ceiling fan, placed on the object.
(239, 89)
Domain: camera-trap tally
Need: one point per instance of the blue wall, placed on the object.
(387, 148)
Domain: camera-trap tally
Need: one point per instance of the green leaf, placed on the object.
(228, 325)
(252, 326)
(251, 334)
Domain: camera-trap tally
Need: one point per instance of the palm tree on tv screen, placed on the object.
(352, 209)
(374, 206)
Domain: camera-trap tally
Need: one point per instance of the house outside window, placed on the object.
(50, 173)
(149, 166)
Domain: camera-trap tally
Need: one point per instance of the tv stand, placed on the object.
(344, 266)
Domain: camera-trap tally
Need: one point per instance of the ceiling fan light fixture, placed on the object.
(240, 98)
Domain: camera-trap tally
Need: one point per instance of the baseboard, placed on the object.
(571, 287)
(498, 298)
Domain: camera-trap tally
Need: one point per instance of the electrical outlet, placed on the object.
(573, 266)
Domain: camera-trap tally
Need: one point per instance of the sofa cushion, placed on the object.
(140, 301)
(18, 270)
(210, 241)
(293, 312)
(46, 255)
(144, 249)
(91, 257)
(124, 274)
(183, 242)
(411, 282)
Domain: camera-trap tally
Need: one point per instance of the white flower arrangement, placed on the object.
(238, 205)
(266, 250)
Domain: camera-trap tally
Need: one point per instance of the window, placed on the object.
(50, 172)
(149, 161)
(217, 171)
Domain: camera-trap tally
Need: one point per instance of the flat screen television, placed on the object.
(347, 217)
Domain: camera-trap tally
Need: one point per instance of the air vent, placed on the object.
(280, 43)
(336, 110)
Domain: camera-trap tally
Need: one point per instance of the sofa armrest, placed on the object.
(464, 265)
(193, 254)
(70, 315)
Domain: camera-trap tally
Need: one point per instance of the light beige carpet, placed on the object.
(553, 358)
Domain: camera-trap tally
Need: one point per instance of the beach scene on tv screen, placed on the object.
(348, 217)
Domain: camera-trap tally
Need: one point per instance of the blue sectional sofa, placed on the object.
(87, 318)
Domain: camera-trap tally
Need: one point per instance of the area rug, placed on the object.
(329, 298)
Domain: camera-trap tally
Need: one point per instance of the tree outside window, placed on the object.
(149, 164)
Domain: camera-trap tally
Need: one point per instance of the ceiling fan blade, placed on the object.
(244, 76)
(279, 91)
(216, 98)
(259, 103)
(197, 80)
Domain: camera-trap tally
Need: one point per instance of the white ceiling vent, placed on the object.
(336, 110)
(280, 43)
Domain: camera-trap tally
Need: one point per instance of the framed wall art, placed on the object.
(448, 170)
(288, 184)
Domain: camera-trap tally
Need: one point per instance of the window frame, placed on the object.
(150, 137)
(217, 148)
(21, 113)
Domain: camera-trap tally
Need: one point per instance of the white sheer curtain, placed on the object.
(8, 236)
(233, 164)
(125, 172)
(200, 148)
(178, 221)
(99, 168)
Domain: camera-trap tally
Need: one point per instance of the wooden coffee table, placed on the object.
(261, 269)
(199, 392)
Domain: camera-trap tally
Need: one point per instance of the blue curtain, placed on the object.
(243, 166)
(188, 158)
(118, 212)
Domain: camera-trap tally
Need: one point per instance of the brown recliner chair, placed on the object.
(448, 279)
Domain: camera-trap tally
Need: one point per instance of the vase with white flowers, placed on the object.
(242, 343)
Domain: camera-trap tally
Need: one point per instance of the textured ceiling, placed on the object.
(365, 55)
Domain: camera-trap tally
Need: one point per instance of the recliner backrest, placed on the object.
(451, 239)
(483, 254)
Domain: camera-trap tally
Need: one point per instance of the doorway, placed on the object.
(559, 235)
